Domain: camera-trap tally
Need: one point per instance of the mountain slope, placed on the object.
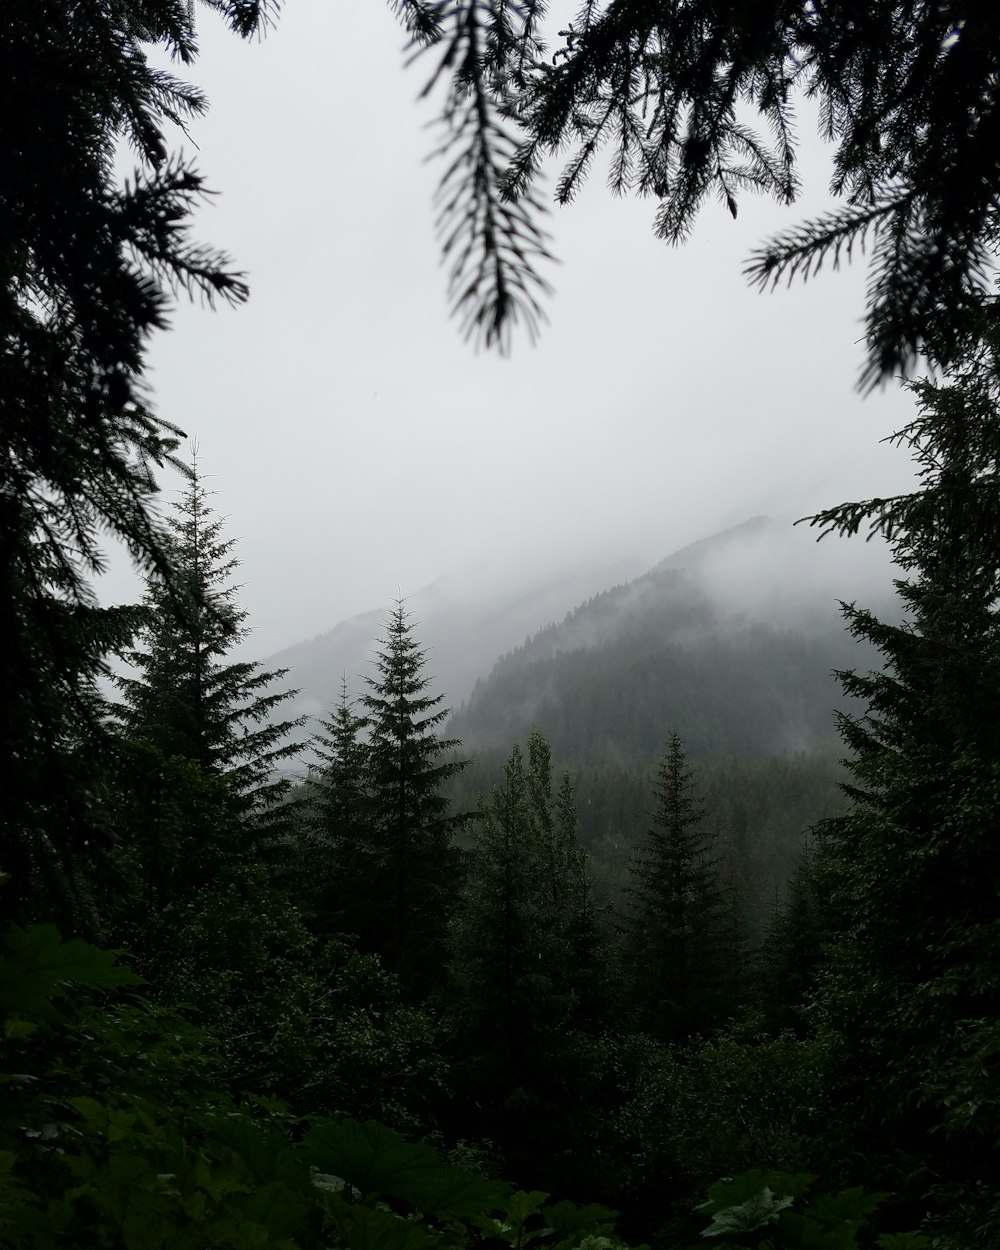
(463, 632)
(727, 641)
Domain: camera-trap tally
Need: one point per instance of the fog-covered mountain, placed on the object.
(462, 630)
(731, 641)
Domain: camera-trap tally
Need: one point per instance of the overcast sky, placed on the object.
(360, 446)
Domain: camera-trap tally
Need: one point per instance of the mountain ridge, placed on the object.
(752, 594)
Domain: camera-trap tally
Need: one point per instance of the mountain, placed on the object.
(732, 642)
(463, 630)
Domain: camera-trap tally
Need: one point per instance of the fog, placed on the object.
(362, 450)
(720, 592)
(783, 572)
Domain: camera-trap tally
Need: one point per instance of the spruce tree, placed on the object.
(790, 959)
(497, 944)
(911, 990)
(528, 943)
(562, 886)
(88, 271)
(415, 875)
(584, 969)
(339, 854)
(676, 928)
(526, 967)
(186, 698)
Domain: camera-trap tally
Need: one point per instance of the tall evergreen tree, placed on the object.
(527, 943)
(87, 270)
(562, 885)
(572, 897)
(187, 699)
(340, 852)
(527, 964)
(413, 889)
(912, 990)
(790, 958)
(676, 929)
(497, 944)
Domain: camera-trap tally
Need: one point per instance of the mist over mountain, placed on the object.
(463, 622)
(731, 641)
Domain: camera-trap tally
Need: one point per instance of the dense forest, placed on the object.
(640, 970)
(659, 647)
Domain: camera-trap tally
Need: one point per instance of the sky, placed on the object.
(362, 449)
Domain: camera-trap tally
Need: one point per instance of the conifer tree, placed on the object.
(497, 942)
(187, 700)
(791, 955)
(88, 271)
(675, 929)
(527, 943)
(911, 990)
(413, 887)
(526, 965)
(573, 897)
(562, 886)
(339, 855)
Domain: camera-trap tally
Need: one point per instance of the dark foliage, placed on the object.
(386, 833)
(186, 697)
(88, 270)
(695, 100)
(911, 990)
(678, 964)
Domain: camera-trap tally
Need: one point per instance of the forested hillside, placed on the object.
(465, 622)
(761, 813)
(651, 968)
(667, 650)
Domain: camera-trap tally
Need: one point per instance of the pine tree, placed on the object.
(416, 874)
(911, 990)
(676, 927)
(186, 700)
(497, 944)
(339, 855)
(88, 269)
(527, 965)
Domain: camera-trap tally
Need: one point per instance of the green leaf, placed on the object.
(365, 1228)
(566, 1217)
(800, 1230)
(849, 1207)
(733, 1190)
(275, 1208)
(14, 1028)
(520, 1206)
(37, 965)
(762, 1209)
(266, 1153)
(378, 1162)
(93, 1112)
